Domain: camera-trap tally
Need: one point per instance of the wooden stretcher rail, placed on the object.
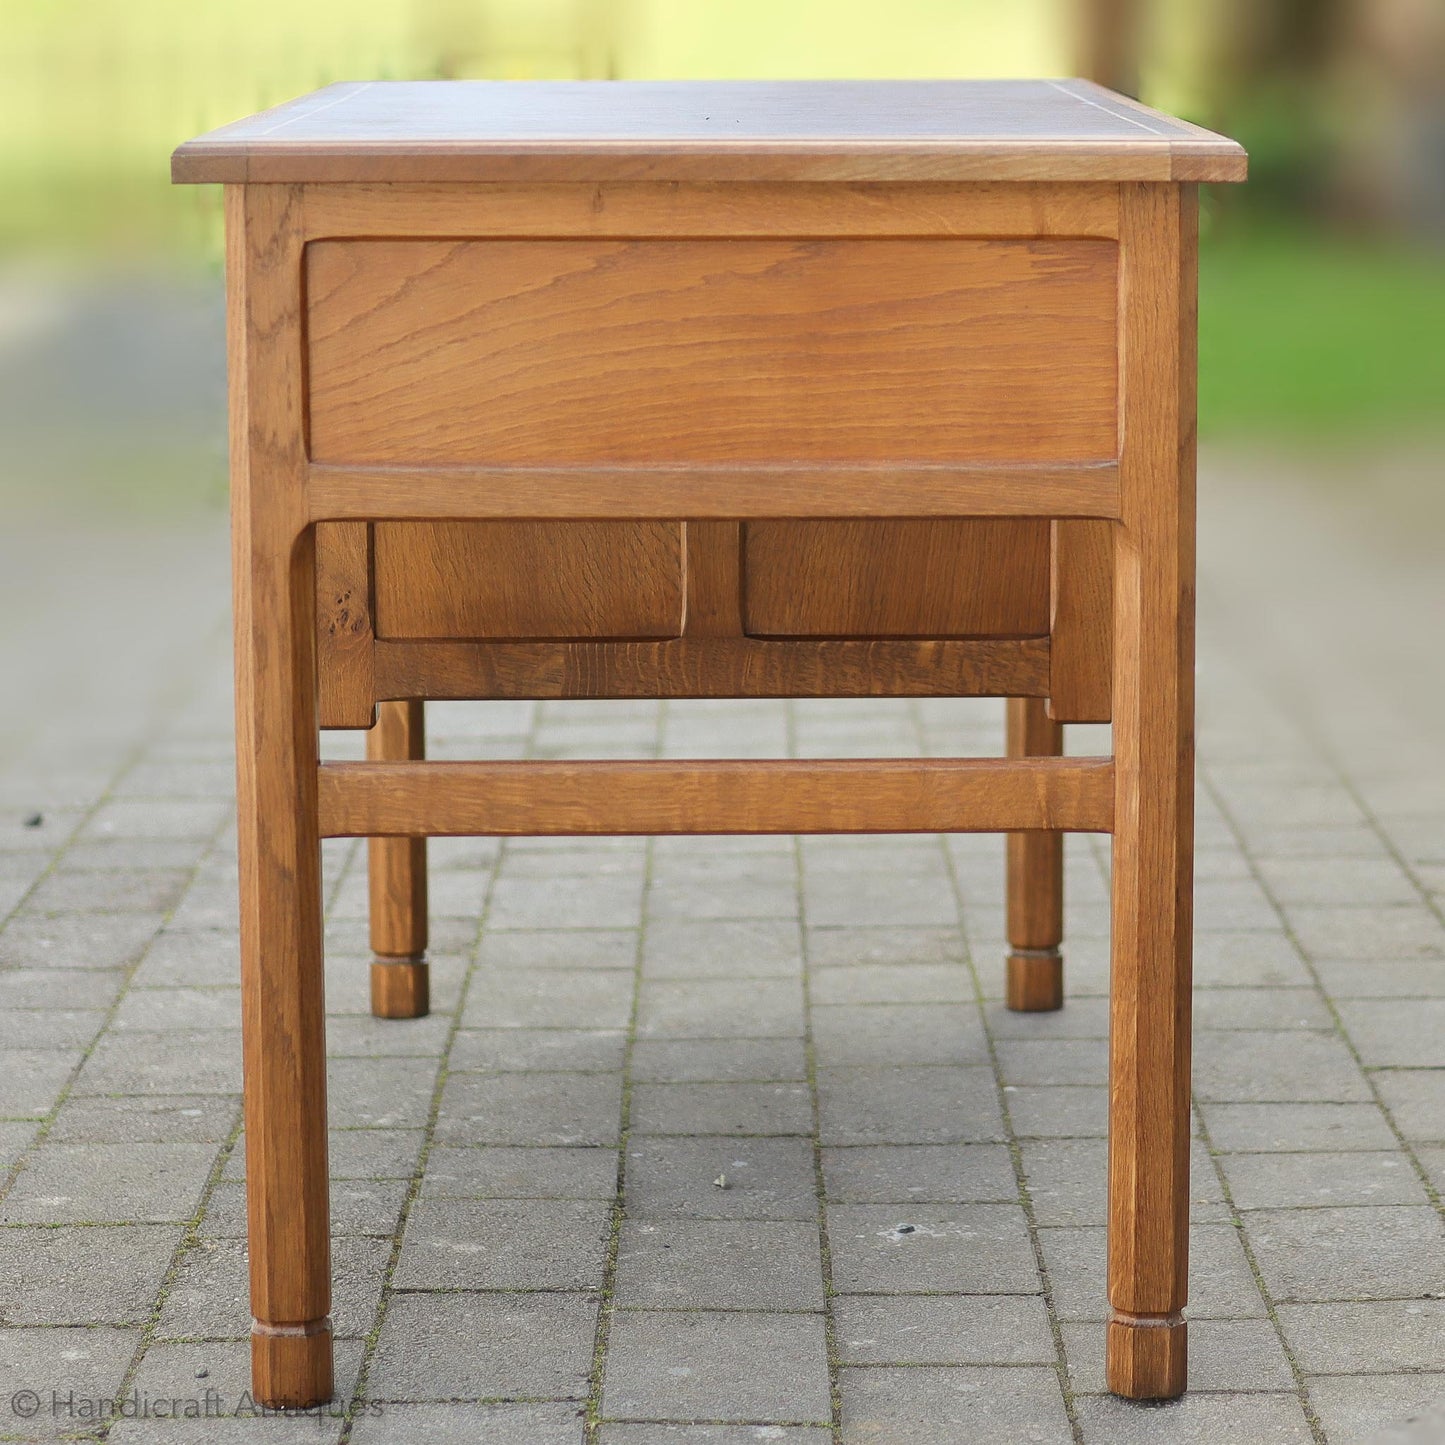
(714, 667)
(710, 491)
(462, 799)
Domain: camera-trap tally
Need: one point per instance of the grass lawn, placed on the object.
(1304, 335)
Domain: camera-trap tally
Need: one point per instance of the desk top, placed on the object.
(817, 130)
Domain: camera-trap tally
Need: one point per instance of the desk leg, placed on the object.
(281, 981)
(1149, 1043)
(399, 972)
(283, 1022)
(1035, 890)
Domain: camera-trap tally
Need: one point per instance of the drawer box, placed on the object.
(570, 352)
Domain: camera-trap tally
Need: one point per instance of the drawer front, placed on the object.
(524, 580)
(569, 352)
(896, 579)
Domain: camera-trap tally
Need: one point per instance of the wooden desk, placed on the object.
(712, 390)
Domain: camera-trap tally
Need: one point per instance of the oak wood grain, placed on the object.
(1034, 889)
(518, 580)
(713, 351)
(770, 796)
(344, 630)
(282, 1006)
(896, 579)
(715, 666)
(1149, 1029)
(1081, 621)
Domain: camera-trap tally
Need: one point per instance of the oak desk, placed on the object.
(712, 390)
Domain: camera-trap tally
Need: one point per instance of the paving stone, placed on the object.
(1066, 1111)
(46, 988)
(209, 1297)
(1302, 1181)
(131, 890)
(716, 1365)
(77, 940)
(109, 1183)
(1272, 1009)
(1248, 960)
(178, 1062)
(1280, 1128)
(912, 1249)
(1080, 1018)
(557, 1050)
(677, 1178)
(719, 1264)
(536, 1108)
(720, 1008)
(510, 1173)
(676, 1061)
(164, 1010)
(583, 999)
(380, 1093)
(1224, 1355)
(1068, 1182)
(914, 983)
(1415, 1099)
(1053, 1061)
(568, 949)
(920, 1173)
(78, 1275)
(1343, 1337)
(469, 1424)
(727, 948)
(58, 1364)
(882, 946)
(1290, 1066)
(898, 1034)
(723, 1108)
(1327, 880)
(565, 903)
(530, 1244)
(1221, 1284)
(1396, 931)
(1381, 1409)
(1382, 977)
(942, 1330)
(715, 1434)
(908, 1106)
(930, 1406)
(484, 1347)
(1408, 1033)
(31, 1080)
(1202, 1419)
(1362, 1253)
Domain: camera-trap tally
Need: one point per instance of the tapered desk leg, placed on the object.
(1154, 803)
(399, 972)
(282, 1004)
(1035, 864)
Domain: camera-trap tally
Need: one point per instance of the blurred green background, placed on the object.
(1323, 281)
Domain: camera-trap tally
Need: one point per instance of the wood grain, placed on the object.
(710, 666)
(519, 580)
(344, 632)
(708, 130)
(716, 492)
(896, 579)
(1154, 817)
(1081, 622)
(998, 210)
(711, 351)
(980, 795)
(282, 1005)
(1034, 890)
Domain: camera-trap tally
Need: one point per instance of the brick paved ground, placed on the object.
(530, 1232)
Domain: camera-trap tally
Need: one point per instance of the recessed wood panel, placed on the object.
(528, 579)
(896, 579)
(548, 352)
